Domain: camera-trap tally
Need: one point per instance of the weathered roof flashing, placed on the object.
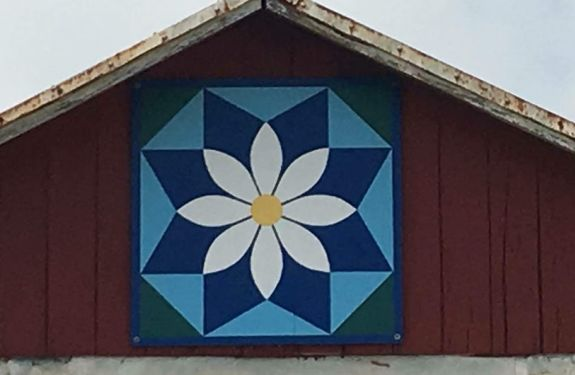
(313, 17)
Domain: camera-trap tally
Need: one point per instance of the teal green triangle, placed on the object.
(157, 105)
(347, 129)
(185, 130)
(349, 290)
(265, 102)
(375, 316)
(185, 293)
(267, 319)
(156, 211)
(376, 209)
(158, 319)
(373, 103)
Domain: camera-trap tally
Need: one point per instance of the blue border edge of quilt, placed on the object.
(137, 341)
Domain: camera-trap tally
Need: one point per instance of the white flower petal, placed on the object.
(229, 247)
(214, 211)
(230, 175)
(266, 263)
(302, 174)
(320, 210)
(266, 159)
(302, 245)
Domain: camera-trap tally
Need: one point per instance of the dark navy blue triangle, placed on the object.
(183, 175)
(305, 293)
(349, 173)
(228, 128)
(303, 128)
(350, 246)
(228, 294)
(182, 249)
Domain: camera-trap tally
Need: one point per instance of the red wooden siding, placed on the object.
(464, 228)
(488, 213)
(23, 246)
(557, 255)
(421, 251)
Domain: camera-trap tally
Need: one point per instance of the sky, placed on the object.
(523, 46)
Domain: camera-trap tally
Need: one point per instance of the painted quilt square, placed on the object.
(265, 212)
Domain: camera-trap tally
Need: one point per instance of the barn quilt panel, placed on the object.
(265, 212)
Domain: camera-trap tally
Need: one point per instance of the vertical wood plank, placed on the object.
(557, 215)
(499, 187)
(421, 253)
(498, 194)
(113, 223)
(465, 230)
(551, 249)
(519, 238)
(23, 236)
(72, 232)
(521, 254)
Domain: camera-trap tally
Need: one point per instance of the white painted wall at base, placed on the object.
(387, 365)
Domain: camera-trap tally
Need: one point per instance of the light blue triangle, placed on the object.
(156, 211)
(185, 293)
(376, 209)
(349, 290)
(265, 102)
(184, 131)
(267, 319)
(347, 129)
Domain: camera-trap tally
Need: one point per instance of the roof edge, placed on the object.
(123, 65)
(399, 57)
(313, 17)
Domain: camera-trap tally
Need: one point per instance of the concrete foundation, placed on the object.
(392, 365)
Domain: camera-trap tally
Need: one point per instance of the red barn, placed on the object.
(487, 210)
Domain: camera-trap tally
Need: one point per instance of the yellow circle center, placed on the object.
(266, 210)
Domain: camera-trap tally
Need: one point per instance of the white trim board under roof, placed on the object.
(311, 16)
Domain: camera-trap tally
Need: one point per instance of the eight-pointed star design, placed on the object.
(266, 210)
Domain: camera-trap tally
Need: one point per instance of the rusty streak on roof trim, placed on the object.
(413, 63)
(123, 65)
(313, 17)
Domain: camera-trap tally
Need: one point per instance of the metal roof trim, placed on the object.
(413, 63)
(123, 65)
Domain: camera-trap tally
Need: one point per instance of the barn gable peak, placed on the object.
(308, 15)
